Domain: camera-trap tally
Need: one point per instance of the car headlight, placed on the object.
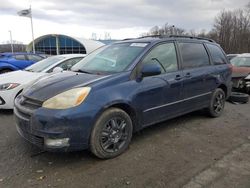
(67, 99)
(8, 86)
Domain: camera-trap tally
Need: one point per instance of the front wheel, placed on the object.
(217, 103)
(111, 134)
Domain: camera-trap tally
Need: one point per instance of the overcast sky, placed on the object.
(122, 19)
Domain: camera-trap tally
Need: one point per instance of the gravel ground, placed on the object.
(190, 151)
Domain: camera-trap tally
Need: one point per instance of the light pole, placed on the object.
(32, 30)
(11, 42)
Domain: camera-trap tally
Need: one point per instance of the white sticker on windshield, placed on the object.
(142, 45)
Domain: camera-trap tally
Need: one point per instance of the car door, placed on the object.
(221, 71)
(195, 65)
(159, 95)
(21, 61)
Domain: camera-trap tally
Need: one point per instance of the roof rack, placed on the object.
(177, 36)
(128, 39)
(153, 36)
(191, 37)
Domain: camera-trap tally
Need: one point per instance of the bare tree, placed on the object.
(232, 30)
(166, 29)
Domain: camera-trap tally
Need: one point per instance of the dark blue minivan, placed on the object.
(122, 88)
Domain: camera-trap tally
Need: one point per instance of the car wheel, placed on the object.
(239, 97)
(111, 134)
(217, 103)
(5, 71)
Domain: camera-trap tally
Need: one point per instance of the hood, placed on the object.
(51, 85)
(20, 77)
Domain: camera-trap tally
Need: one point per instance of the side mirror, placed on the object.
(57, 69)
(150, 70)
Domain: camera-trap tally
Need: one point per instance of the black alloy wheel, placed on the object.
(111, 134)
(114, 135)
(217, 103)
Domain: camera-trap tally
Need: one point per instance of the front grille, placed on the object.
(22, 115)
(25, 107)
(36, 140)
(30, 103)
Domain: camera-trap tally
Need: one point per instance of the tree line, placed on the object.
(231, 29)
(17, 47)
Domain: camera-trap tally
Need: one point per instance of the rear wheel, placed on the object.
(111, 134)
(5, 71)
(217, 103)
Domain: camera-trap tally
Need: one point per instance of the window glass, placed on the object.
(217, 55)
(241, 61)
(44, 64)
(66, 65)
(34, 58)
(20, 57)
(193, 55)
(163, 55)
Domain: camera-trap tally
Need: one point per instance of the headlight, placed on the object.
(67, 99)
(8, 86)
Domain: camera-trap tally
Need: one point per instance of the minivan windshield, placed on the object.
(44, 64)
(110, 59)
(241, 61)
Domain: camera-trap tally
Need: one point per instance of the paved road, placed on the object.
(191, 151)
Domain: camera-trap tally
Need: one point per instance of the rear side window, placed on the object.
(20, 57)
(66, 65)
(193, 55)
(218, 56)
(34, 58)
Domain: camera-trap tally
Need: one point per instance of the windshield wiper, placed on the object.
(83, 71)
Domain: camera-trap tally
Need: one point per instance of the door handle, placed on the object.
(178, 77)
(188, 75)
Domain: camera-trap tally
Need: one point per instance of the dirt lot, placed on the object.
(190, 151)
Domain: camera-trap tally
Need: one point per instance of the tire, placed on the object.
(217, 103)
(5, 71)
(111, 134)
(239, 97)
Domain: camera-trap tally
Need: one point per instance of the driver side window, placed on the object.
(163, 55)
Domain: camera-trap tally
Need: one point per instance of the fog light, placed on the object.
(56, 143)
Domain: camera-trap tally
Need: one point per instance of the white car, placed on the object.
(13, 83)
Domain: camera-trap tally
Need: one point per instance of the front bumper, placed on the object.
(247, 85)
(241, 84)
(7, 98)
(37, 125)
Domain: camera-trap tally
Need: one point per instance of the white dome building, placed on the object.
(55, 44)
